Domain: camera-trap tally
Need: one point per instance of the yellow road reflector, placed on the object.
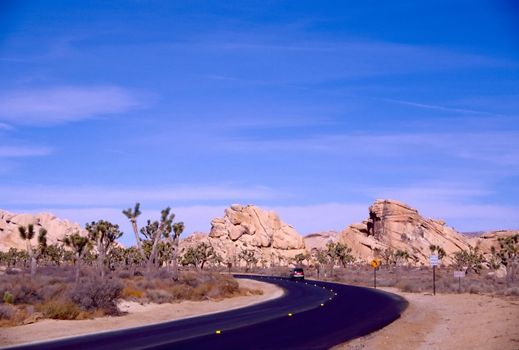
(335, 293)
(322, 304)
(218, 331)
(330, 298)
(289, 314)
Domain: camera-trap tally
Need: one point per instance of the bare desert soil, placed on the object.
(448, 322)
(138, 315)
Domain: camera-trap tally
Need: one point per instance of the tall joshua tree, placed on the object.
(132, 215)
(28, 233)
(154, 231)
(104, 234)
(80, 245)
(178, 228)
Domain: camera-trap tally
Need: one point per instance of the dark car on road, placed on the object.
(297, 274)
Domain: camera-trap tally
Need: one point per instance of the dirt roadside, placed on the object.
(448, 322)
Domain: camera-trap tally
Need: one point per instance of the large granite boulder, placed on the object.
(392, 224)
(56, 228)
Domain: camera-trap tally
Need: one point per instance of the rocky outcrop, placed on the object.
(392, 224)
(320, 240)
(56, 228)
(253, 229)
(490, 239)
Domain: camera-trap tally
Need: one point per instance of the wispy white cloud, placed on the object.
(443, 108)
(5, 126)
(20, 151)
(106, 196)
(65, 104)
(500, 148)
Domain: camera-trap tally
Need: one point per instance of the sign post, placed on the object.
(459, 275)
(433, 259)
(375, 263)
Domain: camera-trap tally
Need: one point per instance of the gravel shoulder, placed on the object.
(448, 322)
(137, 315)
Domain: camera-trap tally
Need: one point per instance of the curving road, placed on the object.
(322, 314)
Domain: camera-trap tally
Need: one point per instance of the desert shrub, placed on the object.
(59, 310)
(124, 274)
(201, 291)
(408, 287)
(7, 312)
(512, 291)
(180, 292)
(159, 296)
(189, 278)
(475, 289)
(8, 297)
(27, 293)
(228, 286)
(94, 294)
(131, 292)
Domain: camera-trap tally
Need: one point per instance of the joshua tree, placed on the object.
(471, 260)
(132, 215)
(508, 254)
(321, 259)
(299, 258)
(438, 250)
(27, 233)
(80, 245)
(178, 228)
(104, 234)
(153, 231)
(339, 253)
(205, 252)
(389, 257)
(401, 255)
(189, 257)
(249, 256)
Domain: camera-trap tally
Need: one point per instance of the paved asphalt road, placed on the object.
(347, 312)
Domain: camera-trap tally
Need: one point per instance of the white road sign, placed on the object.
(459, 274)
(433, 259)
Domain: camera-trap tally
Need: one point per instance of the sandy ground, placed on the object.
(448, 322)
(138, 315)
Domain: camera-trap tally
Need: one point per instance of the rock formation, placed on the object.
(398, 226)
(251, 228)
(320, 239)
(489, 239)
(56, 228)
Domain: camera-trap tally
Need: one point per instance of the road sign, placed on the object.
(433, 259)
(459, 274)
(375, 263)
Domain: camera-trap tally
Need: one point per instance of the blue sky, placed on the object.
(310, 109)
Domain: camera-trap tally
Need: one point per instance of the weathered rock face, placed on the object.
(319, 240)
(257, 228)
(489, 239)
(396, 225)
(56, 228)
(251, 228)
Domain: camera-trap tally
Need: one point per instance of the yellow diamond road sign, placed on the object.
(375, 263)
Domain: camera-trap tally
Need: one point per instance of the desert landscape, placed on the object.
(251, 240)
(259, 174)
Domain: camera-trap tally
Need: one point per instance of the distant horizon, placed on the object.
(310, 109)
